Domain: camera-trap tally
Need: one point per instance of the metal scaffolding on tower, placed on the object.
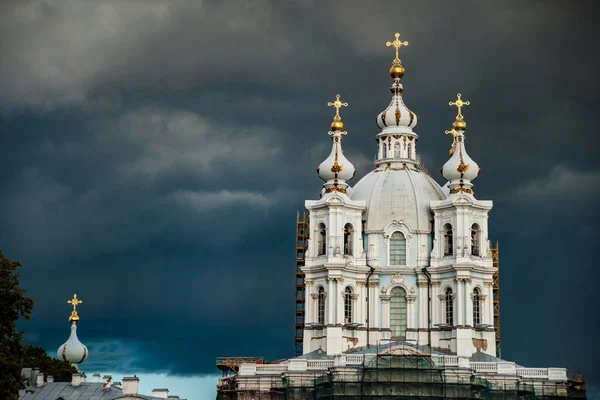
(301, 246)
(496, 299)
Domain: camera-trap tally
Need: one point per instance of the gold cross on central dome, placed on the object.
(337, 104)
(74, 302)
(397, 44)
(459, 104)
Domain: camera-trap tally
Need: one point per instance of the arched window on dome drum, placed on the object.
(384, 149)
(476, 307)
(321, 306)
(448, 241)
(348, 239)
(322, 240)
(475, 238)
(397, 150)
(409, 147)
(449, 307)
(397, 249)
(398, 313)
(348, 305)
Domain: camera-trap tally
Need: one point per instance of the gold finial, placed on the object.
(74, 302)
(397, 44)
(337, 124)
(453, 133)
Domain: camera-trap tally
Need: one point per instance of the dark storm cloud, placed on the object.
(158, 152)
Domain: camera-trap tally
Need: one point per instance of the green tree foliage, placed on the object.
(36, 356)
(13, 305)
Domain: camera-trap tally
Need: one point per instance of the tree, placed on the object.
(36, 356)
(13, 305)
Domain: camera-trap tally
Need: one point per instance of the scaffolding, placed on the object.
(302, 229)
(496, 295)
(232, 364)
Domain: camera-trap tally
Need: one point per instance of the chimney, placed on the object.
(49, 379)
(117, 385)
(160, 393)
(34, 373)
(173, 397)
(39, 381)
(106, 379)
(76, 380)
(130, 386)
(96, 378)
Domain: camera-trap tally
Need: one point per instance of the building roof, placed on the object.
(66, 391)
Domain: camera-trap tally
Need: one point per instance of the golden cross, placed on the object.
(337, 104)
(453, 133)
(397, 44)
(74, 302)
(459, 104)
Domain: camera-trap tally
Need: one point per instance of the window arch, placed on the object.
(476, 307)
(348, 239)
(449, 307)
(398, 315)
(448, 240)
(321, 305)
(397, 150)
(348, 305)
(322, 240)
(409, 151)
(475, 240)
(397, 249)
(384, 152)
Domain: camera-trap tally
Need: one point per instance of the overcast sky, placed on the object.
(155, 154)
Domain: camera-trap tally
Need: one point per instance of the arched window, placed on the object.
(321, 306)
(409, 147)
(348, 305)
(476, 307)
(448, 242)
(397, 249)
(398, 313)
(348, 239)
(449, 307)
(322, 240)
(475, 235)
(397, 150)
(384, 149)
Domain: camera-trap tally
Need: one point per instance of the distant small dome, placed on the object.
(73, 350)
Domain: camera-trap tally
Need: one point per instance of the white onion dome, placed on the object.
(73, 350)
(460, 170)
(336, 169)
(397, 118)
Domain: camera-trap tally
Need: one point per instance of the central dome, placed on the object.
(401, 194)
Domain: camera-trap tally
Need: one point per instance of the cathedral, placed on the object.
(398, 281)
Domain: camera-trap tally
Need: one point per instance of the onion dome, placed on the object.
(397, 117)
(336, 169)
(73, 350)
(460, 169)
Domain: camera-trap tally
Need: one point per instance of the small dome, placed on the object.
(397, 115)
(460, 169)
(73, 350)
(336, 166)
(401, 194)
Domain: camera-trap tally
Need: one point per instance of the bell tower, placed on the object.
(461, 259)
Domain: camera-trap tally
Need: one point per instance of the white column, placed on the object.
(459, 302)
(435, 304)
(340, 301)
(330, 300)
(308, 302)
(469, 303)
(490, 304)
(385, 311)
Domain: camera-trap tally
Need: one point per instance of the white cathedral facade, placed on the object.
(397, 257)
